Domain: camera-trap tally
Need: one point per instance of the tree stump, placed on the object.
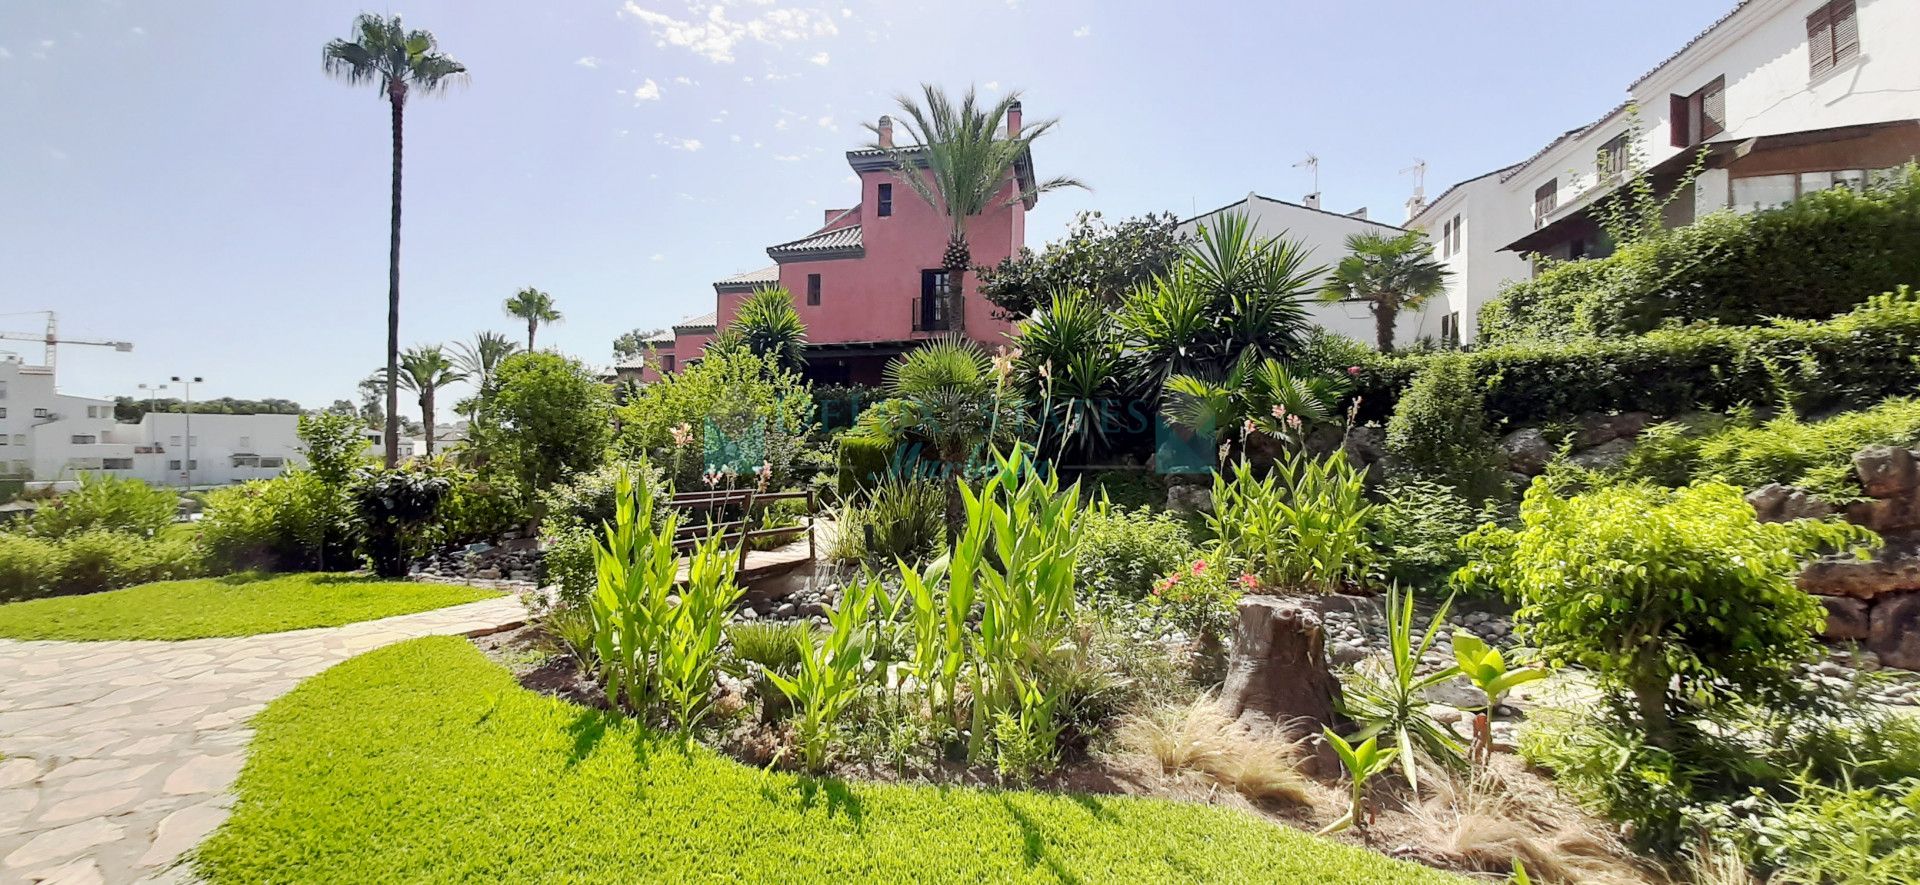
(1278, 676)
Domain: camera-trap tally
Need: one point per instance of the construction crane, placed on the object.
(52, 338)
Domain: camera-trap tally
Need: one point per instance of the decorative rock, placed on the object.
(1847, 618)
(1886, 515)
(1890, 572)
(1189, 499)
(1597, 430)
(1767, 500)
(1605, 456)
(1894, 633)
(1527, 451)
(1801, 505)
(1884, 471)
(786, 610)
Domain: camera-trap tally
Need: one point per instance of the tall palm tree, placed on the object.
(480, 358)
(396, 61)
(424, 369)
(535, 307)
(768, 325)
(970, 169)
(1391, 274)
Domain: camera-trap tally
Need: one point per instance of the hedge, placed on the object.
(1811, 259)
(1853, 361)
(861, 462)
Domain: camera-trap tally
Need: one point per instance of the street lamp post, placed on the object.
(153, 391)
(186, 387)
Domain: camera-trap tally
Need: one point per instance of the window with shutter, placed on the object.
(1446, 239)
(1846, 31)
(1545, 197)
(1820, 41)
(1713, 108)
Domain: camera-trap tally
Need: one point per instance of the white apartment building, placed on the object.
(1783, 96)
(50, 437)
(1325, 234)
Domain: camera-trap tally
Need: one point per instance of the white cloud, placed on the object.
(788, 158)
(4, 54)
(991, 86)
(46, 44)
(137, 31)
(678, 144)
(685, 81)
(845, 12)
(820, 58)
(1083, 30)
(780, 123)
(734, 138)
(55, 153)
(648, 91)
(714, 36)
(587, 61)
(656, 257)
(827, 124)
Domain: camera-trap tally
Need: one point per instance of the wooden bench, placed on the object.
(729, 514)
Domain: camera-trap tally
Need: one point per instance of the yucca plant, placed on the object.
(829, 675)
(1393, 703)
(1306, 526)
(768, 325)
(1070, 362)
(1362, 763)
(1487, 669)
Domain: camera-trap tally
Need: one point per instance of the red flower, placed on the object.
(1250, 581)
(1199, 565)
(1353, 370)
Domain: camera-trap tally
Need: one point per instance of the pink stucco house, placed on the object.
(867, 282)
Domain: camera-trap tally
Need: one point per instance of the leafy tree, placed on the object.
(1105, 261)
(343, 407)
(534, 306)
(547, 419)
(335, 450)
(768, 325)
(949, 397)
(630, 345)
(395, 509)
(969, 165)
(731, 412)
(424, 369)
(398, 62)
(1390, 273)
(1231, 293)
(131, 410)
(373, 393)
(1680, 599)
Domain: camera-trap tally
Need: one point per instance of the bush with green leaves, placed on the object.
(479, 506)
(1306, 527)
(1123, 551)
(546, 419)
(732, 411)
(1814, 455)
(1201, 597)
(1676, 599)
(860, 462)
(286, 523)
(92, 560)
(395, 510)
(1854, 360)
(1810, 259)
(901, 518)
(1439, 432)
(1419, 525)
(104, 502)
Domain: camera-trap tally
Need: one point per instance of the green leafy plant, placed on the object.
(1487, 669)
(394, 510)
(1362, 763)
(1393, 702)
(1263, 395)
(689, 649)
(773, 646)
(901, 518)
(1102, 259)
(1026, 738)
(768, 325)
(1306, 527)
(1071, 362)
(1199, 598)
(104, 502)
(545, 420)
(706, 417)
(1123, 551)
(1390, 273)
(829, 675)
(1680, 599)
(635, 568)
(1438, 430)
(535, 307)
(1419, 525)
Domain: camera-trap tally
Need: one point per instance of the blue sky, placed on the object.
(182, 174)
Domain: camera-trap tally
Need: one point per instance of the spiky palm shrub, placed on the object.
(948, 397)
(768, 325)
(963, 166)
(1071, 363)
(1263, 395)
(399, 62)
(424, 369)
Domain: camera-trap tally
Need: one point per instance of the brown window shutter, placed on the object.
(1820, 41)
(1846, 31)
(1677, 123)
(1713, 108)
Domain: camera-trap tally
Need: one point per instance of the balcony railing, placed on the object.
(930, 313)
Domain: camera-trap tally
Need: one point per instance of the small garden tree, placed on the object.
(1105, 261)
(1438, 429)
(768, 325)
(1389, 273)
(1677, 598)
(548, 418)
(731, 412)
(395, 509)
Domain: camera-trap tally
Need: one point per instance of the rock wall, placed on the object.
(1873, 602)
(510, 565)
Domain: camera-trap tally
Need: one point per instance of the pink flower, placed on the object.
(1250, 581)
(1246, 427)
(1199, 565)
(1293, 422)
(1279, 412)
(1353, 370)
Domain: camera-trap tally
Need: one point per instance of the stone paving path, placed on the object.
(119, 756)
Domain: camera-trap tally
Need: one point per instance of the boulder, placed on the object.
(1847, 618)
(1527, 451)
(1844, 575)
(1189, 499)
(1886, 515)
(1767, 500)
(1801, 505)
(1605, 456)
(1598, 430)
(1885, 471)
(1894, 633)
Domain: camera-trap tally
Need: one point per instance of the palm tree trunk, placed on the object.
(396, 96)
(1385, 317)
(426, 417)
(531, 325)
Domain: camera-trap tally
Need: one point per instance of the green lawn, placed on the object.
(424, 762)
(236, 605)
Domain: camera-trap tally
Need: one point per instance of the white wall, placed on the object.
(1325, 234)
(1478, 271)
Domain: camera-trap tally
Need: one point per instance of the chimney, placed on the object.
(886, 131)
(1360, 213)
(1013, 120)
(1312, 200)
(1416, 204)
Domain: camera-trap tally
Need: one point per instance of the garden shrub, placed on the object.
(1438, 430)
(1852, 361)
(1123, 551)
(902, 518)
(394, 510)
(107, 503)
(1810, 259)
(93, 560)
(1306, 527)
(729, 413)
(480, 507)
(1419, 527)
(29, 565)
(286, 523)
(575, 511)
(861, 462)
(1676, 599)
(1814, 455)
(545, 419)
